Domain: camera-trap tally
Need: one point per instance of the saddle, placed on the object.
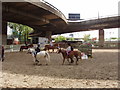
(37, 50)
(69, 53)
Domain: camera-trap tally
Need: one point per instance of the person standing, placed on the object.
(2, 53)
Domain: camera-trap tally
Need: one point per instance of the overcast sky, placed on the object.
(89, 9)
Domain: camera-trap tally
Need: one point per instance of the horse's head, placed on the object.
(30, 50)
(59, 50)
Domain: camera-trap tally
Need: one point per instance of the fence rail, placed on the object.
(53, 8)
(93, 18)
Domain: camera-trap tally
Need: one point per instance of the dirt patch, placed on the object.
(99, 71)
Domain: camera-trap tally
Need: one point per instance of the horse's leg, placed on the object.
(20, 49)
(46, 60)
(63, 61)
(53, 49)
(80, 56)
(71, 60)
(68, 61)
(36, 61)
(76, 60)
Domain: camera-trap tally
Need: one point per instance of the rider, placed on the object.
(37, 49)
(51, 44)
(69, 48)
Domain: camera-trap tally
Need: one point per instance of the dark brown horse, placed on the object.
(48, 47)
(76, 54)
(26, 47)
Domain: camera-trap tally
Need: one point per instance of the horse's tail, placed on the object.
(20, 49)
(48, 56)
(80, 55)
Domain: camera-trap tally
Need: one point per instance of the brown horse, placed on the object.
(48, 47)
(26, 47)
(76, 54)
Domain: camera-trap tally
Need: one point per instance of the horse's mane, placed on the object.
(63, 50)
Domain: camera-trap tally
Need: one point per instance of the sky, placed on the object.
(89, 9)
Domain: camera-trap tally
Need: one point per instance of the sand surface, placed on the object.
(101, 71)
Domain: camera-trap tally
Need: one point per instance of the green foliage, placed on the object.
(86, 45)
(86, 48)
(60, 38)
(71, 39)
(20, 31)
(86, 37)
(113, 38)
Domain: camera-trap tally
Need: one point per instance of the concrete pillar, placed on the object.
(4, 33)
(0, 23)
(48, 35)
(101, 37)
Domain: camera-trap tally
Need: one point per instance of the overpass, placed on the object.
(47, 20)
(93, 24)
(40, 15)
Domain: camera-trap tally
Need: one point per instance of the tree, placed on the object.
(86, 37)
(71, 39)
(20, 31)
(60, 38)
(113, 38)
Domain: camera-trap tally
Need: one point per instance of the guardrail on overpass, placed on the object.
(94, 18)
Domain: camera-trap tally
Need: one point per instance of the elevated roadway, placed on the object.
(93, 24)
(40, 15)
(47, 20)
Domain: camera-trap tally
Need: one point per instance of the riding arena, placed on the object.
(100, 70)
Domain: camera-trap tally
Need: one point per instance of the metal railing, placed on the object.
(94, 18)
(53, 8)
(48, 4)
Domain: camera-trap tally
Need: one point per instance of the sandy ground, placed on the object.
(101, 71)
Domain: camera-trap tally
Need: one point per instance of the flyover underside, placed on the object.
(39, 16)
(104, 23)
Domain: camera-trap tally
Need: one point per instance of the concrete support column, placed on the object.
(48, 35)
(4, 33)
(101, 37)
(0, 23)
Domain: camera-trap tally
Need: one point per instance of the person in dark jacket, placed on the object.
(2, 56)
(37, 49)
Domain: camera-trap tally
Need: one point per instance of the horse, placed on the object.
(48, 47)
(76, 54)
(40, 55)
(26, 47)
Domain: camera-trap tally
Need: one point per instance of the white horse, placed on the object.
(40, 55)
